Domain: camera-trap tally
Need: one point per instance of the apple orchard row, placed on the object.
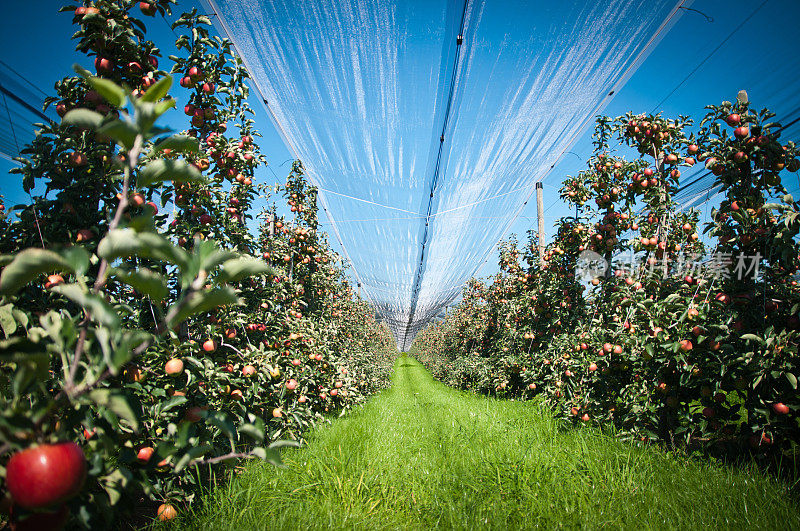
(150, 338)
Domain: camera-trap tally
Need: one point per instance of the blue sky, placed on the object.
(760, 56)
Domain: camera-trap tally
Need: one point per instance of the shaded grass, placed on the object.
(422, 455)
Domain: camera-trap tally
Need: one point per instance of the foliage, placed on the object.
(692, 356)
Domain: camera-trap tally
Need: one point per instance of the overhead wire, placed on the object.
(701, 63)
(435, 177)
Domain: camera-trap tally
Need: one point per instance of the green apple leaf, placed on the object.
(161, 170)
(83, 118)
(158, 90)
(101, 311)
(27, 266)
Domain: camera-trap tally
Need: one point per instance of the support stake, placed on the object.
(540, 216)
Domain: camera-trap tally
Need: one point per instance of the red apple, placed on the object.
(53, 280)
(733, 120)
(166, 512)
(45, 475)
(780, 408)
(84, 235)
(145, 454)
(174, 367)
(103, 65)
(209, 345)
(194, 414)
(77, 159)
(147, 9)
(724, 298)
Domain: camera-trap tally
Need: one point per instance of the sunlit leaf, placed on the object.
(161, 170)
(83, 118)
(27, 266)
(101, 311)
(118, 403)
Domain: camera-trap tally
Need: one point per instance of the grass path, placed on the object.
(421, 455)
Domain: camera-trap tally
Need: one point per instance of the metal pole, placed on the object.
(540, 216)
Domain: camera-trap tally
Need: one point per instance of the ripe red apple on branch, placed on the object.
(174, 367)
(45, 475)
(147, 8)
(780, 408)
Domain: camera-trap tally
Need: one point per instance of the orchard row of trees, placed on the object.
(148, 337)
(682, 346)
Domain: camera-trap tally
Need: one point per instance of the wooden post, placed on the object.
(662, 198)
(540, 216)
(272, 225)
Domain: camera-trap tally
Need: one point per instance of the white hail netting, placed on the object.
(364, 91)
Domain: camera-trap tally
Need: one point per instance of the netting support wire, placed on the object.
(435, 177)
(224, 29)
(366, 201)
(726, 39)
(10, 123)
(25, 104)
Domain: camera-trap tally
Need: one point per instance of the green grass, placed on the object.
(421, 455)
